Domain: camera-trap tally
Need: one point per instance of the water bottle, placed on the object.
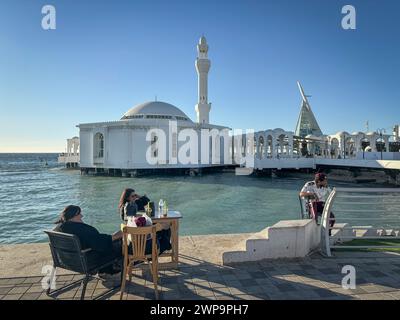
(160, 206)
(165, 208)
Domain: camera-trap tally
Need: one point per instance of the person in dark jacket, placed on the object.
(104, 246)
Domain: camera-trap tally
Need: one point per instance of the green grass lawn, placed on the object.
(372, 242)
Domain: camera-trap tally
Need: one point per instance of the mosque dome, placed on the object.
(155, 110)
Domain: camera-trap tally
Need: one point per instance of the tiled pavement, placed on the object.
(316, 277)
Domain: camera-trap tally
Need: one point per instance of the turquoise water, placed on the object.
(32, 195)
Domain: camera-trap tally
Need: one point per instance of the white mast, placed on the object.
(303, 95)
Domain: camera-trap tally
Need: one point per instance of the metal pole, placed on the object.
(362, 146)
(344, 146)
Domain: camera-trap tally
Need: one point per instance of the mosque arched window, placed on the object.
(98, 150)
(270, 146)
(380, 145)
(261, 148)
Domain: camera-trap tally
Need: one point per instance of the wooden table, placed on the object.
(172, 218)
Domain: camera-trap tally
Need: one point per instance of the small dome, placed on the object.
(356, 133)
(371, 133)
(156, 110)
(340, 133)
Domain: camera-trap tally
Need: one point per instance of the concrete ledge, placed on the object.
(285, 239)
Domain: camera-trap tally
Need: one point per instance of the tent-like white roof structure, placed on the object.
(306, 123)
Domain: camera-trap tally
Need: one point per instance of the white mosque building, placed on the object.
(123, 146)
(130, 145)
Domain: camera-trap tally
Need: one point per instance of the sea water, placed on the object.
(34, 189)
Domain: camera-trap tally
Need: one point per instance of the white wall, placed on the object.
(139, 147)
(86, 148)
(118, 148)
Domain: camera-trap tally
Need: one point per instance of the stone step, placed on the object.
(285, 239)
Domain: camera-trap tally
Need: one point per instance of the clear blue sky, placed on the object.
(107, 56)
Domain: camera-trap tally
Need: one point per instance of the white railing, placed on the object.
(377, 207)
(68, 158)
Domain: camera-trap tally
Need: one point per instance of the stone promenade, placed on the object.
(201, 275)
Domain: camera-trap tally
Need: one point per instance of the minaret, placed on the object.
(202, 66)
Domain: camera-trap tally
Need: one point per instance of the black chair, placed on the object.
(67, 254)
